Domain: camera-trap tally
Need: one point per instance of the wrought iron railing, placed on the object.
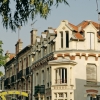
(60, 81)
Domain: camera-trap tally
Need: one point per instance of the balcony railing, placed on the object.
(28, 71)
(13, 79)
(21, 73)
(60, 81)
(7, 82)
(39, 89)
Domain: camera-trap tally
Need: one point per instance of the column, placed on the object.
(68, 75)
(68, 95)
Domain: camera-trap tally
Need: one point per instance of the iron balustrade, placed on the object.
(21, 73)
(39, 89)
(60, 81)
(13, 79)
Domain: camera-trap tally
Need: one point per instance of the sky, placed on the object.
(78, 11)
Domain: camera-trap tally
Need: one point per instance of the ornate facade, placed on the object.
(61, 64)
(66, 64)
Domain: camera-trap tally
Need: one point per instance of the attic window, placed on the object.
(61, 39)
(67, 39)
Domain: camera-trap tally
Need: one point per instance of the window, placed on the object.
(42, 77)
(90, 40)
(47, 98)
(92, 97)
(60, 94)
(37, 79)
(52, 47)
(55, 95)
(67, 39)
(91, 73)
(61, 75)
(61, 39)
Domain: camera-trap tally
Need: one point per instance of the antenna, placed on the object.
(98, 18)
(33, 23)
(19, 27)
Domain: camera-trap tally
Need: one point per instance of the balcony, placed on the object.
(28, 71)
(21, 74)
(39, 89)
(13, 79)
(27, 98)
(60, 81)
(7, 82)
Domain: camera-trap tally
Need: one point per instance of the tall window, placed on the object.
(61, 39)
(37, 79)
(90, 40)
(91, 73)
(61, 75)
(42, 79)
(67, 39)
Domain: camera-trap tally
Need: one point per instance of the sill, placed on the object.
(92, 85)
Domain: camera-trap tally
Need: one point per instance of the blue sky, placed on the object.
(78, 11)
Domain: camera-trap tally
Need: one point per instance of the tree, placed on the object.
(25, 10)
(2, 58)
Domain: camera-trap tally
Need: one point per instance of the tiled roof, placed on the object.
(86, 23)
(79, 36)
(73, 26)
(11, 55)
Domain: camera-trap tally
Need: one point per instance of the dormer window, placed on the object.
(90, 40)
(67, 39)
(61, 39)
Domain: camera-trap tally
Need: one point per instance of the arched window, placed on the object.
(91, 73)
(61, 75)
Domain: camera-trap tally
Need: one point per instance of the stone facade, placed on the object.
(68, 68)
(63, 63)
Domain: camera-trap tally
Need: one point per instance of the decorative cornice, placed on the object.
(36, 65)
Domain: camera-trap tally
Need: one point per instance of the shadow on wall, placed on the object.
(82, 86)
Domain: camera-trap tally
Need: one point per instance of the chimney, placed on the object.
(18, 46)
(33, 36)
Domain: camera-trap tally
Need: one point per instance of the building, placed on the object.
(18, 70)
(61, 64)
(2, 83)
(67, 62)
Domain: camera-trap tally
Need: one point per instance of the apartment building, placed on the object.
(2, 83)
(18, 74)
(61, 64)
(67, 62)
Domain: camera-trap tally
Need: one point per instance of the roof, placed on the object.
(78, 36)
(11, 55)
(73, 26)
(86, 23)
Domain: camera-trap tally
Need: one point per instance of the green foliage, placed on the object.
(1, 73)
(2, 58)
(24, 10)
